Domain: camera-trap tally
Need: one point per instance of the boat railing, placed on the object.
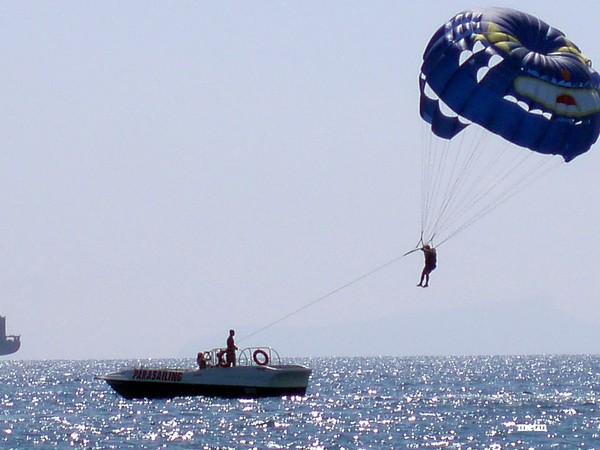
(258, 356)
(251, 356)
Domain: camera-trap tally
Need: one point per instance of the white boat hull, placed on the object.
(234, 382)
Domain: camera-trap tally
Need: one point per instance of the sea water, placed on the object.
(497, 402)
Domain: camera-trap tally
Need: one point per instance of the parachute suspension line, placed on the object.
(509, 184)
(427, 174)
(463, 160)
(517, 187)
(465, 179)
(434, 160)
(432, 181)
(427, 190)
(425, 137)
(425, 144)
(439, 189)
(430, 233)
(485, 188)
(457, 180)
(335, 291)
(480, 188)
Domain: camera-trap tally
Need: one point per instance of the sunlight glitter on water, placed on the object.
(352, 403)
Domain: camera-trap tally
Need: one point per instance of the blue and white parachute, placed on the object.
(514, 76)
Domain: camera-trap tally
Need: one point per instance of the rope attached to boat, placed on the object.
(335, 291)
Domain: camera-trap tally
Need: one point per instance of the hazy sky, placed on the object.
(170, 170)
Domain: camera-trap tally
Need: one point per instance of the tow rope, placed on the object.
(335, 291)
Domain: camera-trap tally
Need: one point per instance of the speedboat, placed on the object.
(255, 372)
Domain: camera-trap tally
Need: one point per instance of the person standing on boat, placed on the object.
(231, 348)
(430, 264)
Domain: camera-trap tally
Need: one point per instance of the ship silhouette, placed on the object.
(8, 344)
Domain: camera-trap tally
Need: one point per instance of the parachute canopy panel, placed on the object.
(514, 75)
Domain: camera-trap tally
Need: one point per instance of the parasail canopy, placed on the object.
(514, 75)
(497, 74)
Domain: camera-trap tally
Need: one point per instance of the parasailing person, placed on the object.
(430, 255)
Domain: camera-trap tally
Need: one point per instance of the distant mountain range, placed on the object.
(531, 327)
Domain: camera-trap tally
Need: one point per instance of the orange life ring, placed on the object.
(265, 358)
